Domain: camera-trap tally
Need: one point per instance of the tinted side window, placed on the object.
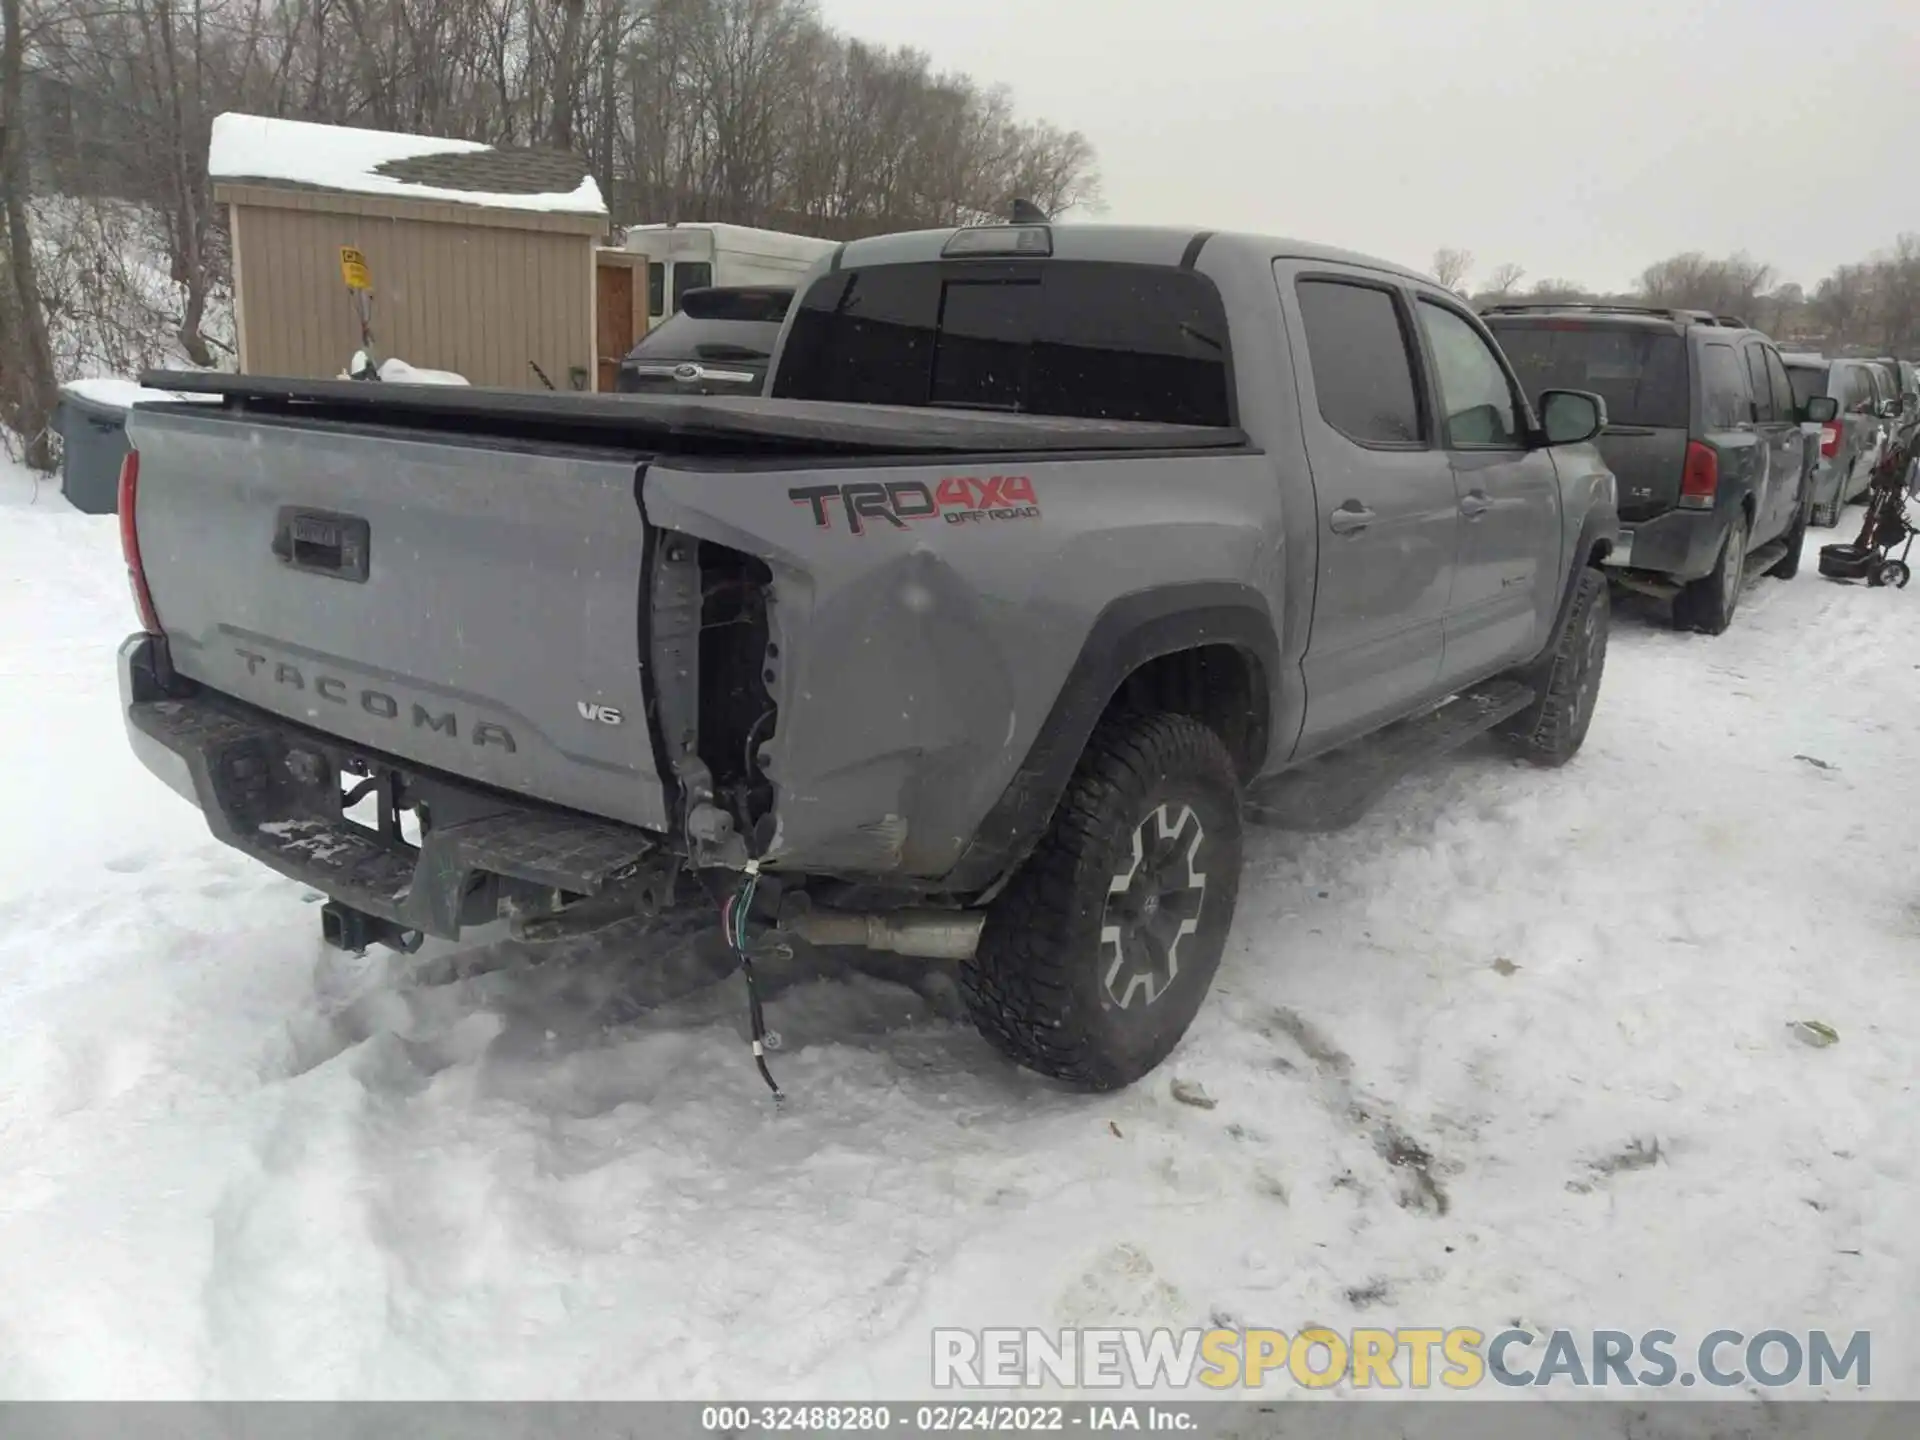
(1859, 390)
(1091, 339)
(1785, 406)
(1723, 387)
(1758, 386)
(1476, 399)
(656, 288)
(1808, 381)
(1362, 371)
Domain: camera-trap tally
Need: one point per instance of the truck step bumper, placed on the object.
(1333, 791)
(273, 791)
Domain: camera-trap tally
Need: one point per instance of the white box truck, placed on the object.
(686, 257)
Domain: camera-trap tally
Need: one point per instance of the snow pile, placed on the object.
(1517, 1047)
(255, 147)
(399, 372)
(112, 391)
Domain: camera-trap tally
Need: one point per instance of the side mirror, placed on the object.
(1890, 410)
(1568, 417)
(1822, 410)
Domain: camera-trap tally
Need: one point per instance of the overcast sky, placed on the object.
(1581, 140)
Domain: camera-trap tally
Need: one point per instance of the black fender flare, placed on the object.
(1129, 632)
(1602, 524)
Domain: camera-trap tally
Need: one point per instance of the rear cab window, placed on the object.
(1088, 339)
(1639, 370)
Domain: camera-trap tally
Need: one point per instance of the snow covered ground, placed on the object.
(1515, 1048)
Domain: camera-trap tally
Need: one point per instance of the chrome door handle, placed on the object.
(1475, 504)
(1350, 519)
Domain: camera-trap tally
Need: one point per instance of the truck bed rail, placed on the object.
(725, 423)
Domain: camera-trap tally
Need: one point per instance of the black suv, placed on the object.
(717, 343)
(1704, 434)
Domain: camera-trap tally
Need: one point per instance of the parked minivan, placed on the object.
(1704, 432)
(1850, 443)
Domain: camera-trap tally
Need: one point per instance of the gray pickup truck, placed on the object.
(1052, 556)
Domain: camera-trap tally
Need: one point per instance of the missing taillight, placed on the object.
(130, 543)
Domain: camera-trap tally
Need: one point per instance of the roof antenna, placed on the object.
(1025, 212)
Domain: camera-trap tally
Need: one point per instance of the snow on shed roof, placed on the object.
(413, 167)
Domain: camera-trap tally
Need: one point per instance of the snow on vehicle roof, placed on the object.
(415, 167)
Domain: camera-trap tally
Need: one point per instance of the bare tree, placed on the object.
(1505, 279)
(1559, 289)
(1840, 302)
(28, 391)
(751, 111)
(1451, 267)
(1731, 286)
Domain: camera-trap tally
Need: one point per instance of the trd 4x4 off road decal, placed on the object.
(958, 500)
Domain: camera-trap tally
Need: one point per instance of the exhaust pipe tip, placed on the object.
(923, 934)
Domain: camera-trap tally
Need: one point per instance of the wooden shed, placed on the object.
(483, 259)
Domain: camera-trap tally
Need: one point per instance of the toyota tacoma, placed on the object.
(1050, 557)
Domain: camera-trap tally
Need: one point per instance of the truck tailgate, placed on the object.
(473, 606)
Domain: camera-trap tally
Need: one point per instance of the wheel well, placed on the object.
(1221, 686)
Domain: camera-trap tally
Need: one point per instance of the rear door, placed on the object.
(1727, 421)
(1860, 425)
(1794, 457)
(1640, 370)
(1776, 469)
(1387, 517)
(1508, 494)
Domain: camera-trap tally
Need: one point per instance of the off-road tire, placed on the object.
(1708, 604)
(1040, 986)
(1827, 517)
(1550, 731)
(1788, 565)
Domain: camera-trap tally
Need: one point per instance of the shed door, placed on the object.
(613, 325)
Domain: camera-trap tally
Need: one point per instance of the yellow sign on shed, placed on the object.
(353, 269)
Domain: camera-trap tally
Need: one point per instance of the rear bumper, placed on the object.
(273, 791)
(1680, 545)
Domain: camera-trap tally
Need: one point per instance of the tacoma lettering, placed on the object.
(379, 704)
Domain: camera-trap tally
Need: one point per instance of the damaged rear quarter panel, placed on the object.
(918, 660)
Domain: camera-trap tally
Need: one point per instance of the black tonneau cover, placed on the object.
(647, 420)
